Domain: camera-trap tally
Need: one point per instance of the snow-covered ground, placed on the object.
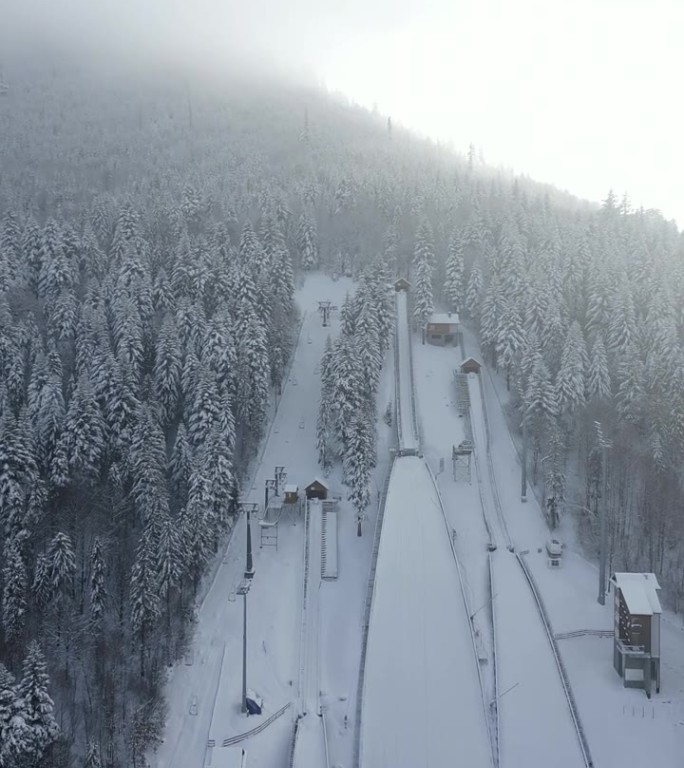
(422, 702)
(621, 725)
(422, 697)
(530, 689)
(204, 695)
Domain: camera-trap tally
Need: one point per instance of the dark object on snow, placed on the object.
(470, 365)
(316, 489)
(253, 707)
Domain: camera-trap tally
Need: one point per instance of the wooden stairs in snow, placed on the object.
(462, 396)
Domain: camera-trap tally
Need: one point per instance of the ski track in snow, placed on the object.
(530, 689)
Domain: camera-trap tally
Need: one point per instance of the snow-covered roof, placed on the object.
(639, 591)
(291, 488)
(444, 318)
(470, 360)
(319, 481)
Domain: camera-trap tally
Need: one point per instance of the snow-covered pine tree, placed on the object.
(14, 594)
(424, 249)
(307, 240)
(454, 287)
(598, 375)
(61, 564)
(571, 381)
(510, 338)
(144, 591)
(83, 437)
(203, 413)
(358, 459)
(92, 759)
(347, 386)
(422, 301)
(196, 523)
(15, 743)
(167, 370)
(474, 291)
(253, 373)
(348, 316)
(37, 706)
(98, 589)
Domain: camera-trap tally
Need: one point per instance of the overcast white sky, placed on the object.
(584, 94)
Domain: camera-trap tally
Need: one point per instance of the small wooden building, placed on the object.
(316, 489)
(470, 365)
(442, 329)
(636, 649)
(402, 285)
(290, 494)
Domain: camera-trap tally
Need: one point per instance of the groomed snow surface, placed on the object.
(204, 690)
(530, 690)
(621, 725)
(422, 702)
(406, 420)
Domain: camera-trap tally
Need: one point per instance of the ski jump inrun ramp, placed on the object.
(422, 703)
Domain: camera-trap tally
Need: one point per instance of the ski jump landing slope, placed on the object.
(422, 703)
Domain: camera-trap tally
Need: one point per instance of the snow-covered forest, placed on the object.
(151, 235)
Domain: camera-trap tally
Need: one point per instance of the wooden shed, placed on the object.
(470, 365)
(402, 285)
(316, 489)
(290, 494)
(442, 329)
(636, 648)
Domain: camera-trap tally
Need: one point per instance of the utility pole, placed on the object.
(523, 481)
(243, 589)
(604, 445)
(249, 566)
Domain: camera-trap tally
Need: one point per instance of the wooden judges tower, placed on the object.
(636, 649)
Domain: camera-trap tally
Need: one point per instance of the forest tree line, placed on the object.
(148, 258)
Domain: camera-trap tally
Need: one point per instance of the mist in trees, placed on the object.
(152, 235)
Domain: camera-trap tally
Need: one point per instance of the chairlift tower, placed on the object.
(326, 308)
(248, 508)
(269, 485)
(280, 475)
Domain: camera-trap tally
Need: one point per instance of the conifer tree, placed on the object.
(15, 743)
(358, 459)
(98, 589)
(61, 564)
(37, 706)
(598, 375)
(454, 287)
(14, 592)
(570, 381)
(474, 291)
(93, 759)
(307, 240)
(423, 306)
(144, 588)
(167, 370)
